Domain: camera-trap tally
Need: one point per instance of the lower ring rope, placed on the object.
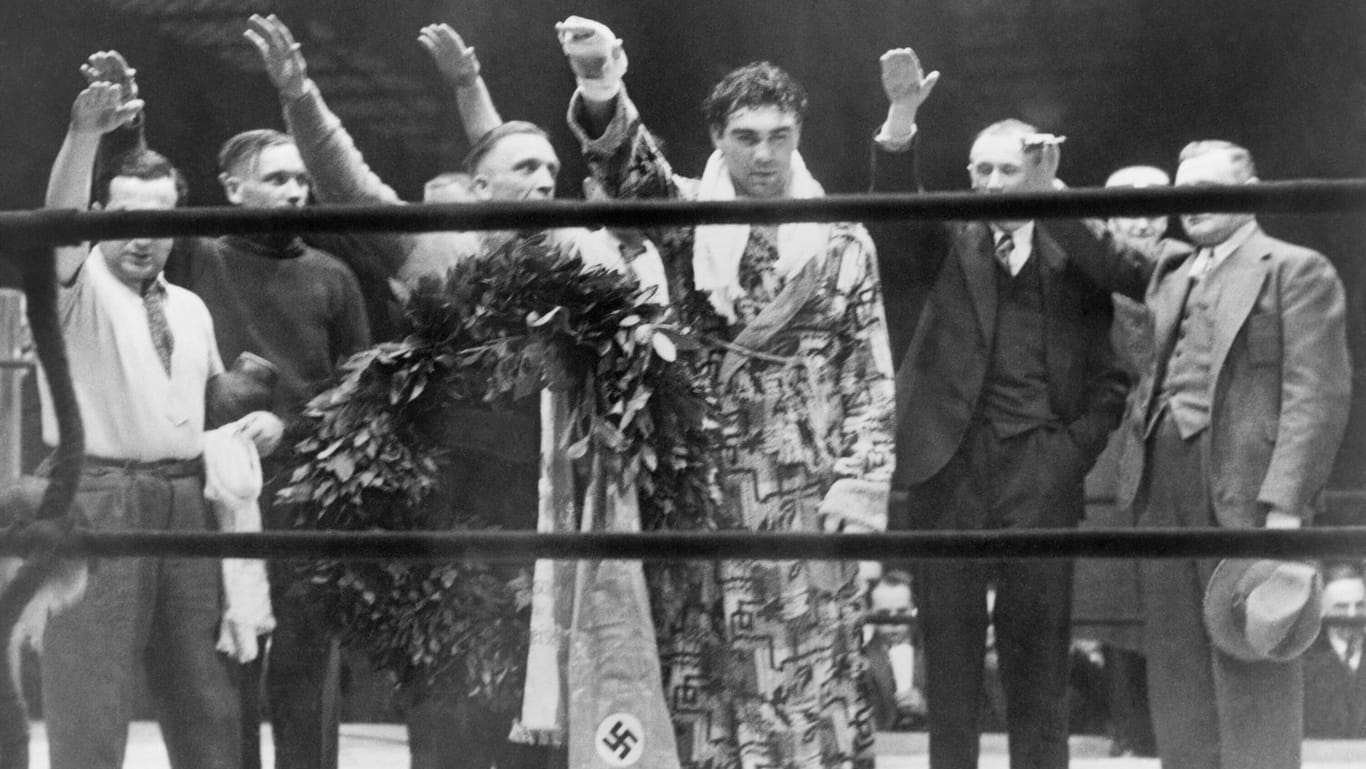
(721, 545)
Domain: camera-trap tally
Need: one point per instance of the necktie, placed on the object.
(1005, 246)
(1354, 652)
(1204, 262)
(154, 302)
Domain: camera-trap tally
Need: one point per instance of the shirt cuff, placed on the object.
(890, 143)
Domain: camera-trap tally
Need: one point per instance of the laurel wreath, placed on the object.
(492, 332)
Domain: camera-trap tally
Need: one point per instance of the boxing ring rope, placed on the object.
(54, 227)
(57, 227)
(718, 545)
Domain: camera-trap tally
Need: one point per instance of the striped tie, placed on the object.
(154, 301)
(1005, 246)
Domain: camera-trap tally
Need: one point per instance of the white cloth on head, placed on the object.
(232, 487)
(717, 248)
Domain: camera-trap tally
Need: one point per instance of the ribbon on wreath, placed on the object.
(593, 679)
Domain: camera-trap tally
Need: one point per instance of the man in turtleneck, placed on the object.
(301, 309)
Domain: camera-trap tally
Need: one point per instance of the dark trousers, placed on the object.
(1210, 710)
(161, 612)
(1031, 480)
(447, 730)
(1126, 683)
(302, 668)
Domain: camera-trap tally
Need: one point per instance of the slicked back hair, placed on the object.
(1007, 127)
(138, 163)
(488, 141)
(247, 146)
(757, 84)
(1240, 156)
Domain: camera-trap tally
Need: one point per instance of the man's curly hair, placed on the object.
(757, 84)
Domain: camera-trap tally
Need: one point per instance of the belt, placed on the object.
(166, 468)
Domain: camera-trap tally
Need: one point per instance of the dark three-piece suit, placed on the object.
(1006, 391)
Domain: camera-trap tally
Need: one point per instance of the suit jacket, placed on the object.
(1281, 390)
(881, 681)
(1334, 694)
(941, 375)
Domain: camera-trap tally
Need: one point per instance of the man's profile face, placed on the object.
(757, 144)
(275, 178)
(139, 260)
(521, 166)
(1211, 168)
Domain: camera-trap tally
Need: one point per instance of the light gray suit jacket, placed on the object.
(1281, 387)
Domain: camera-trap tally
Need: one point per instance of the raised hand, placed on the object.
(284, 64)
(456, 61)
(903, 79)
(111, 67)
(100, 108)
(595, 54)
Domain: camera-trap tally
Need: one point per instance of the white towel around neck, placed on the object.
(717, 248)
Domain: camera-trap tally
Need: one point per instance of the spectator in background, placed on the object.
(1108, 588)
(896, 665)
(1334, 676)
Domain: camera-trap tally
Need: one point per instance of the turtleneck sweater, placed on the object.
(272, 295)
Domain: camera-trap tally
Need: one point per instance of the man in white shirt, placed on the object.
(141, 352)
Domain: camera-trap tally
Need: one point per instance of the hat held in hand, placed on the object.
(1264, 610)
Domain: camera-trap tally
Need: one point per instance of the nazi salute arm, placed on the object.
(598, 59)
(907, 87)
(460, 68)
(339, 171)
(97, 110)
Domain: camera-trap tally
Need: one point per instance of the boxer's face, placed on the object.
(757, 144)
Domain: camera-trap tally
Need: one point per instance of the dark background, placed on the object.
(1128, 81)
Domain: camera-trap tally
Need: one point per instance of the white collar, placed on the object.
(1221, 251)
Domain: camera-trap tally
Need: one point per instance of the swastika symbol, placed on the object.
(620, 739)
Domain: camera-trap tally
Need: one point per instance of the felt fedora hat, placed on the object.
(1264, 610)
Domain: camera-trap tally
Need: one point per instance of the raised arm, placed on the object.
(97, 110)
(598, 59)
(622, 154)
(907, 87)
(460, 68)
(340, 173)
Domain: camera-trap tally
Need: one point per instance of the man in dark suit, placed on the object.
(1006, 394)
(896, 665)
(1334, 676)
(1234, 424)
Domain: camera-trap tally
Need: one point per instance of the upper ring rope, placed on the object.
(56, 227)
